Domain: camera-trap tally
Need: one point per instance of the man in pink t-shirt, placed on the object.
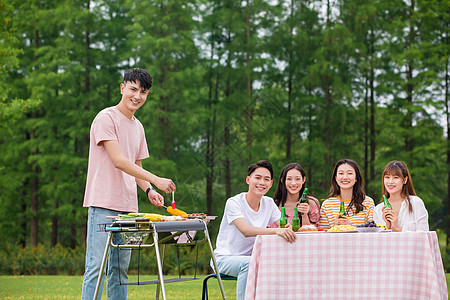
(117, 146)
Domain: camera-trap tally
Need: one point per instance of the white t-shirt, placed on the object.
(107, 186)
(230, 241)
(415, 221)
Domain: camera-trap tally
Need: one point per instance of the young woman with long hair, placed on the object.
(408, 211)
(347, 185)
(290, 188)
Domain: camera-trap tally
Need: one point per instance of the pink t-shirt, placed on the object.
(107, 186)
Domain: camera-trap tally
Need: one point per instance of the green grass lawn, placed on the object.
(69, 287)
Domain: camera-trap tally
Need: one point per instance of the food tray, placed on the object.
(310, 231)
(369, 229)
(207, 218)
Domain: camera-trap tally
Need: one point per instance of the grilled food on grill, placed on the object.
(176, 212)
(151, 217)
(195, 215)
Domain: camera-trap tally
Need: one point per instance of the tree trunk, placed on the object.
(372, 111)
(289, 108)
(249, 109)
(23, 209)
(366, 131)
(409, 84)
(210, 164)
(85, 139)
(327, 123)
(34, 204)
(35, 179)
(226, 131)
(447, 108)
(328, 100)
(54, 235)
(87, 81)
(226, 134)
(211, 138)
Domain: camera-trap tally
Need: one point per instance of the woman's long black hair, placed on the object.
(281, 192)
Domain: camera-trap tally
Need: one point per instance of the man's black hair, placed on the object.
(140, 75)
(260, 164)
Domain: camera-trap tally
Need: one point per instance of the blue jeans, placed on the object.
(117, 263)
(236, 266)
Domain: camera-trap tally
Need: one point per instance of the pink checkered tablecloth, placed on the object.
(385, 265)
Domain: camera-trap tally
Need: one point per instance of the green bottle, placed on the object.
(342, 210)
(303, 198)
(386, 202)
(283, 219)
(295, 221)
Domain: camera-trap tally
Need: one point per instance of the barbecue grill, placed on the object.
(141, 233)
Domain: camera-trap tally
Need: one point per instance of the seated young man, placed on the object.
(246, 216)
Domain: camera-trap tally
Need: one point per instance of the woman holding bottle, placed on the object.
(407, 212)
(347, 186)
(290, 188)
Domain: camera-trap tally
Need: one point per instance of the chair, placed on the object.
(205, 283)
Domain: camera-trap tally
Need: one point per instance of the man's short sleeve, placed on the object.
(276, 214)
(233, 210)
(103, 129)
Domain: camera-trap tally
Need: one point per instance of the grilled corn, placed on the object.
(175, 212)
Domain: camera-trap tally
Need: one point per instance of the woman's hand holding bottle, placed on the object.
(303, 208)
(391, 219)
(342, 220)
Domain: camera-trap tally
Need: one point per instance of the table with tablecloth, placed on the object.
(324, 265)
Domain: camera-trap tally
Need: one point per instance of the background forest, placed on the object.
(234, 82)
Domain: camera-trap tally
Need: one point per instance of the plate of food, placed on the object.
(370, 226)
(369, 229)
(342, 228)
(309, 229)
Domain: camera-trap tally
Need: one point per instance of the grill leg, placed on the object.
(216, 269)
(160, 271)
(102, 267)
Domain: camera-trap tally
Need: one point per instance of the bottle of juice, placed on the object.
(295, 221)
(283, 219)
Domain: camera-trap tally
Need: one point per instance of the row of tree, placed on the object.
(234, 82)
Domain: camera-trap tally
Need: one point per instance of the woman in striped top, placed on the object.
(347, 185)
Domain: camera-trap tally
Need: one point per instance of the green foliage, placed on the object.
(43, 260)
(445, 249)
(46, 260)
(233, 82)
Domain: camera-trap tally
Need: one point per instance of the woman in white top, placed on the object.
(408, 211)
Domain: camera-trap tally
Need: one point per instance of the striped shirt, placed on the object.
(330, 210)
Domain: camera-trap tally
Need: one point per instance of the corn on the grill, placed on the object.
(175, 212)
(154, 217)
